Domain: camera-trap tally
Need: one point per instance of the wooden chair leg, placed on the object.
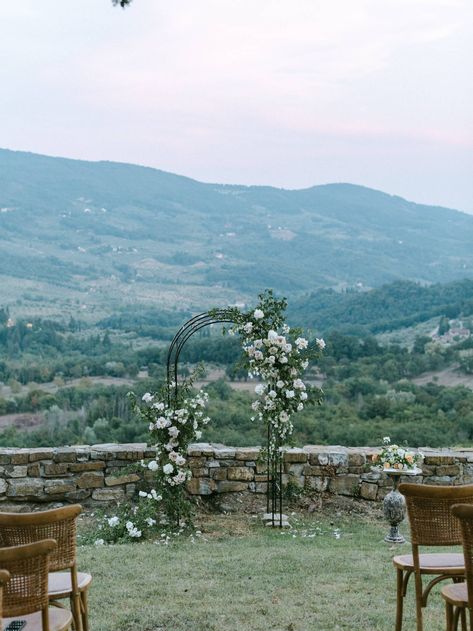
(85, 610)
(463, 618)
(399, 598)
(419, 593)
(76, 611)
(456, 618)
(449, 616)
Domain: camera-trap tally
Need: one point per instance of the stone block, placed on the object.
(314, 470)
(295, 455)
(295, 469)
(448, 469)
(368, 491)
(439, 459)
(356, 459)
(78, 467)
(3, 486)
(18, 471)
(224, 453)
(334, 458)
(34, 470)
(200, 472)
(65, 454)
(230, 486)
(79, 495)
(201, 486)
(90, 480)
(344, 484)
(108, 495)
(59, 487)
(211, 464)
(218, 474)
(439, 480)
(240, 473)
(25, 487)
(200, 449)
(54, 469)
(199, 461)
(41, 453)
(116, 480)
(20, 456)
(248, 453)
(5, 456)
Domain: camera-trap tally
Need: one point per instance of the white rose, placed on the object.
(255, 405)
(301, 343)
(180, 460)
(158, 406)
(280, 384)
(260, 388)
(248, 327)
(143, 494)
(283, 416)
(258, 355)
(300, 407)
(150, 521)
(299, 384)
(320, 343)
(173, 431)
(153, 465)
(272, 335)
(258, 314)
(147, 397)
(283, 359)
(113, 521)
(271, 359)
(198, 434)
(303, 395)
(290, 394)
(168, 468)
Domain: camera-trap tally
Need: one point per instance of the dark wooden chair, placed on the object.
(25, 594)
(431, 524)
(459, 597)
(58, 524)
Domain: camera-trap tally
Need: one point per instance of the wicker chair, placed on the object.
(432, 524)
(4, 578)
(459, 597)
(25, 595)
(58, 524)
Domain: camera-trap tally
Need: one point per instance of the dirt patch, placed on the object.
(449, 377)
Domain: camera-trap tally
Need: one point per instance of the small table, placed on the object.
(394, 504)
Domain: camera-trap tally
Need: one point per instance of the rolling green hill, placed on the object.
(107, 233)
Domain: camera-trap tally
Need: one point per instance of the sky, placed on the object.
(289, 93)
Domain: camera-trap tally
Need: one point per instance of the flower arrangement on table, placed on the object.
(395, 457)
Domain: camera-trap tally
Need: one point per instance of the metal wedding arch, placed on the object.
(274, 456)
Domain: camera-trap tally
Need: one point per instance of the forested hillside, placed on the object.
(107, 234)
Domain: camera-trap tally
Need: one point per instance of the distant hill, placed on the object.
(113, 232)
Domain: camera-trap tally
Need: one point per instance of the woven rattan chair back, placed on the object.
(27, 590)
(464, 514)
(4, 578)
(58, 524)
(430, 516)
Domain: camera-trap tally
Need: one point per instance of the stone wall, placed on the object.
(101, 473)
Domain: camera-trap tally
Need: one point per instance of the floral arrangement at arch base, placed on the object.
(272, 352)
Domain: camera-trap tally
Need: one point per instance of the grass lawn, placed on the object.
(239, 576)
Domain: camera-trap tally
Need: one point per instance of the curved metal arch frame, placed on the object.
(274, 464)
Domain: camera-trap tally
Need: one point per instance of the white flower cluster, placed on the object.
(132, 530)
(279, 360)
(174, 429)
